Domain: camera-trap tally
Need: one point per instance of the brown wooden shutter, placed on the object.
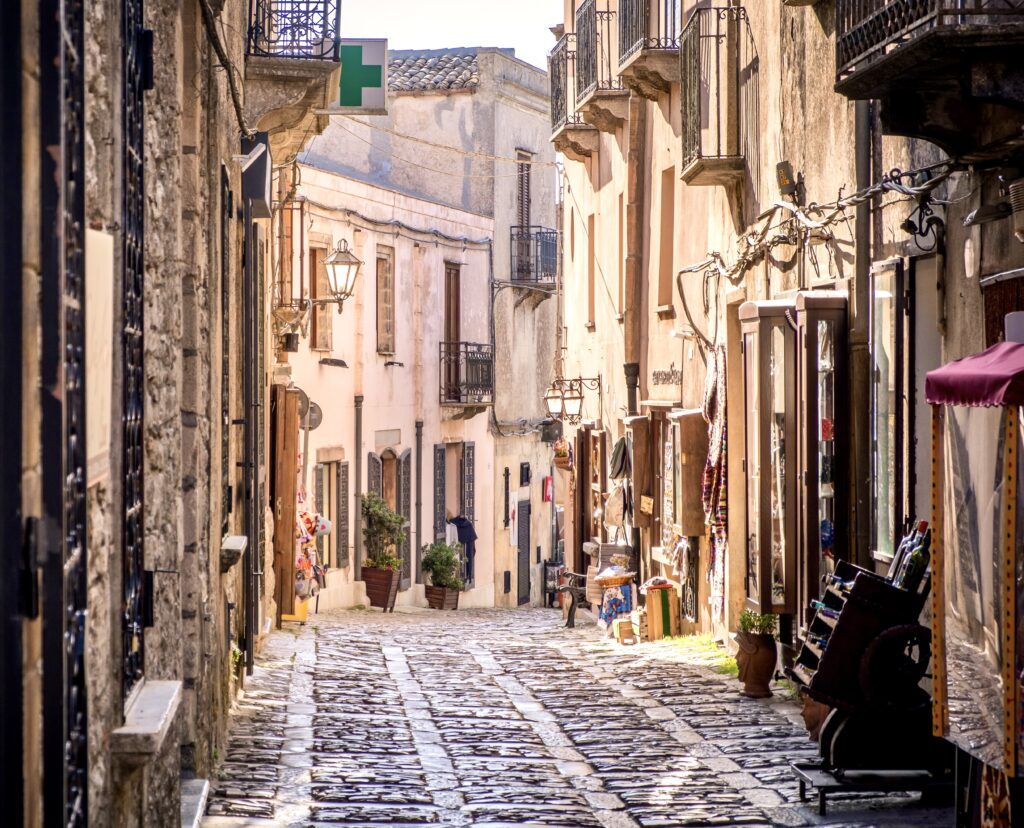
(341, 517)
(440, 455)
(375, 474)
(468, 507)
(405, 510)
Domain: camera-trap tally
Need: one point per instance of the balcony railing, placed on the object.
(718, 72)
(869, 30)
(648, 24)
(467, 373)
(293, 28)
(534, 255)
(597, 61)
(562, 71)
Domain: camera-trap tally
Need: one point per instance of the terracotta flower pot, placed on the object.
(442, 598)
(756, 660)
(381, 586)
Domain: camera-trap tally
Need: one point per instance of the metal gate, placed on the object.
(62, 321)
(523, 529)
(135, 70)
(15, 570)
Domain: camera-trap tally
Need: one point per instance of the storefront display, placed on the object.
(824, 441)
(770, 420)
(978, 567)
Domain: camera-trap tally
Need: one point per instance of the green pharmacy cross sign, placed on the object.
(363, 87)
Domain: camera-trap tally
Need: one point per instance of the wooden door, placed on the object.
(285, 446)
(452, 330)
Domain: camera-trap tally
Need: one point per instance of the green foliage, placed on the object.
(752, 622)
(382, 532)
(236, 657)
(442, 561)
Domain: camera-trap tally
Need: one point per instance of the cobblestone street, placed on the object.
(494, 718)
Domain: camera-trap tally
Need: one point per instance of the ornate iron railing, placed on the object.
(467, 373)
(648, 24)
(597, 61)
(534, 254)
(562, 72)
(62, 297)
(868, 30)
(294, 28)
(718, 71)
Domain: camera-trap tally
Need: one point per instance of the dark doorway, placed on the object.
(523, 528)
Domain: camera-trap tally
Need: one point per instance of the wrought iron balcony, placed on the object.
(718, 70)
(600, 95)
(569, 133)
(877, 40)
(535, 256)
(938, 66)
(294, 28)
(467, 374)
(649, 44)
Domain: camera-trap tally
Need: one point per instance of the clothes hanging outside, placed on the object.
(467, 537)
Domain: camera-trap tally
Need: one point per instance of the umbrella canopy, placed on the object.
(993, 377)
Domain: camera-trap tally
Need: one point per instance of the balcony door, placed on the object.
(452, 328)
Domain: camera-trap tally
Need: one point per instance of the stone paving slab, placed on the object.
(504, 718)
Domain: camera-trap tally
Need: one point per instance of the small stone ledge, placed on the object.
(148, 720)
(232, 547)
(194, 793)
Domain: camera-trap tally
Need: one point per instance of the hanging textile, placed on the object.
(714, 490)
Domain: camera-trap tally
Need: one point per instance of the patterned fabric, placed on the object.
(715, 478)
(616, 601)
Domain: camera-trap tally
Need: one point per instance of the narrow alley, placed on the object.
(503, 717)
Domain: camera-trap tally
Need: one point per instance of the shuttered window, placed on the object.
(385, 300)
(322, 321)
(440, 456)
(468, 505)
(523, 187)
(341, 547)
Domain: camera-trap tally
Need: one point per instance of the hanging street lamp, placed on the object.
(342, 270)
(572, 402)
(553, 400)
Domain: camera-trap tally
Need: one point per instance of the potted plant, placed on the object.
(382, 534)
(757, 653)
(442, 562)
(563, 458)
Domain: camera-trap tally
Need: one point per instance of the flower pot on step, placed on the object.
(381, 587)
(756, 660)
(442, 598)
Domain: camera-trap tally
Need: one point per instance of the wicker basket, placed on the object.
(614, 580)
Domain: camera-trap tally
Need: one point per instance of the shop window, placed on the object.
(385, 300)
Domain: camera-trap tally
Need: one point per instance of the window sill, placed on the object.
(666, 311)
(147, 722)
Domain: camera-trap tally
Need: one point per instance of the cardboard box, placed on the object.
(662, 613)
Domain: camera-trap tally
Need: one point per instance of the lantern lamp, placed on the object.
(553, 400)
(342, 270)
(572, 402)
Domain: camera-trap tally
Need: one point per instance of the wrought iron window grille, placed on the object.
(867, 31)
(535, 254)
(294, 29)
(562, 74)
(597, 60)
(648, 24)
(719, 76)
(467, 373)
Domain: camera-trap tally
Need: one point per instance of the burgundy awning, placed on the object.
(993, 377)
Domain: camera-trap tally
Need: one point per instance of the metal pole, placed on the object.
(357, 519)
(860, 368)
(419, 498)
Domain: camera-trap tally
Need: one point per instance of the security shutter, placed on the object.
(468, 509)
(405, 510)
(523, 188)
(374, 475)
(439, 484)
(341, 513)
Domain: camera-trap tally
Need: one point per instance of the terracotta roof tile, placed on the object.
(439, 70)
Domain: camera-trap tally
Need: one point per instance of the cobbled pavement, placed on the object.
(505, 718)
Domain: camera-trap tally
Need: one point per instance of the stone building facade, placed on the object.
(465, 208)
(128, 250)
(711, 154)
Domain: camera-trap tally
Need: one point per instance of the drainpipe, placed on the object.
(418, 526)
(632, 370)
(860, 363)
(357, 519)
